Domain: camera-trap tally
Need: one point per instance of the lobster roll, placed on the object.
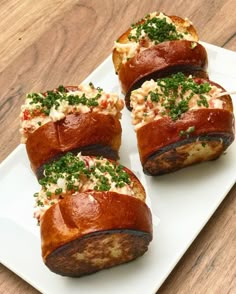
(180, 121)
(155, 47)
(77, 119)
(92, 215)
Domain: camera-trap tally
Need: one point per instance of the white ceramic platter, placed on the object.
(181, 204)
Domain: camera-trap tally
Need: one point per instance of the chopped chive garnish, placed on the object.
(44, 102)
(100, 173)
(171, 93)
(157, 29)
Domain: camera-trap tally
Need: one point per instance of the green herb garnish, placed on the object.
(157, 30)
(50, 99)
(73, 170)
(40, 203)
(171, 93)
(193, 45)
(187, 132)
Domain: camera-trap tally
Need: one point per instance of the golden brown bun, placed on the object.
(90, 231)
(117, 56)
(163, 150)
(90, 133)
(162, 60)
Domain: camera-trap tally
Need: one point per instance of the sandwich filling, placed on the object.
(172, 96)
(40, 108)
(155, 28)
(72, 174)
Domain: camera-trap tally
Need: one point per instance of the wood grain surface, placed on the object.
(50, 42)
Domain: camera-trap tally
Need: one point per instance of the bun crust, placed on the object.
(161, 60)
(87, 232)
(117, 57)
(163, 150)
(91, 133)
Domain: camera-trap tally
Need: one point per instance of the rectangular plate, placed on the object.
(181, 204)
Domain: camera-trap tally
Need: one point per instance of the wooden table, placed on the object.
(47, 43)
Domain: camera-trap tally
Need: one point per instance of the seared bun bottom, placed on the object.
(189, 152)
(90, 231)
(97, 251)
(163, 149)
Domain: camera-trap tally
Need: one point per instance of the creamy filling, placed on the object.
(131, 47)
(80, 174)
(146, 107)
(34, 114)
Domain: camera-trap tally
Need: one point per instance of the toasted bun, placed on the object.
(90, 133)
(162, 60)
(117, 56)
(163, 150)
(87, 232)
